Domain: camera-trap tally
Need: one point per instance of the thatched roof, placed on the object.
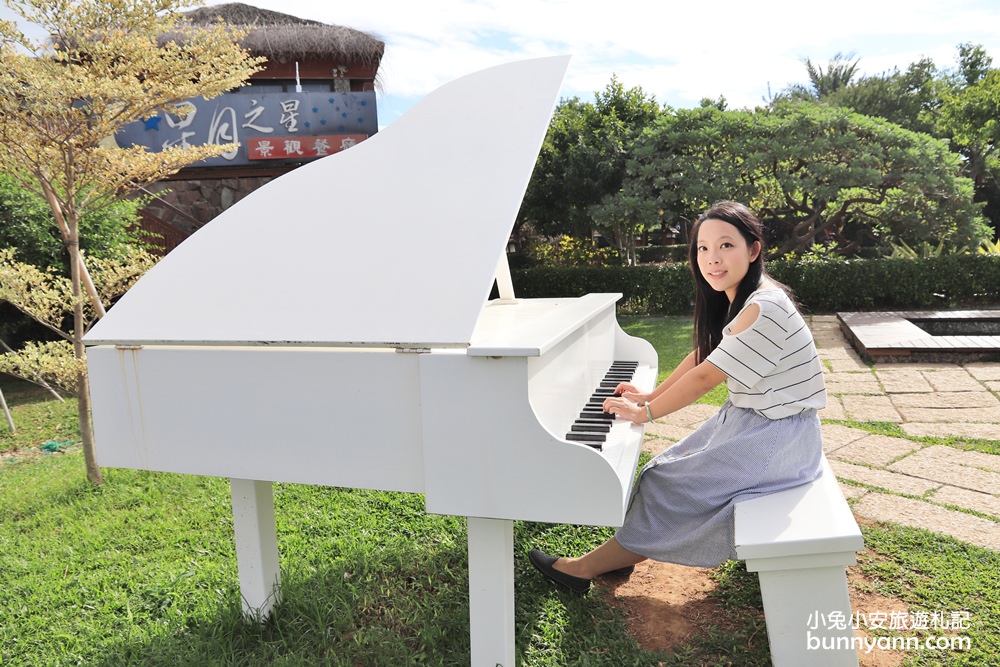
(276, 35)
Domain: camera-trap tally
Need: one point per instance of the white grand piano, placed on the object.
(358, 286)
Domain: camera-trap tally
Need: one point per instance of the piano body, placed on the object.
(334, 328)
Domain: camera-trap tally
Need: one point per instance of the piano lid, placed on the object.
(394, 241)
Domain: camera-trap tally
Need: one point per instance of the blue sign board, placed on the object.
(304, 125)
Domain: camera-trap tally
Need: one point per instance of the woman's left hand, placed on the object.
(625, 408)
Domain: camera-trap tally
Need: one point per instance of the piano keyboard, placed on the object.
(594, 424)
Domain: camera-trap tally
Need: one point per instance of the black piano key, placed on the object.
(593, 423)
(590, 428)
(578, 436)
(589, 419)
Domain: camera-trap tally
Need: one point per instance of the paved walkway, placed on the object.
(941, 488)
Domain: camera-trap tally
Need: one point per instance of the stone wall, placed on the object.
(188, 205)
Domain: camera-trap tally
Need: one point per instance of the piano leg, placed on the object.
(491, 592)
(256, 546)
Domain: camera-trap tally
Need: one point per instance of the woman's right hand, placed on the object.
(630, 392)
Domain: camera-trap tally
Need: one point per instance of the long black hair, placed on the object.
(712, 309)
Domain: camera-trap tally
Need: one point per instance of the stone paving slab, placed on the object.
(877, 450)
(952, 379)
(850, 491)
(836, 436)
(852, 383)
(983, 415)
(668, 431)
(884, 479)
(871, 409)
(942, 400)
(946, 470)
(949, 399)
(963, 457)
(899, 381)
(834, 409)
(983, 431)
(845, 364)
(986, 503)
(920, 514)
(983, 371)
(691, 416)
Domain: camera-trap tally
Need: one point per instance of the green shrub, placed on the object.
(947, 281)
(569, 251)
(663, 253)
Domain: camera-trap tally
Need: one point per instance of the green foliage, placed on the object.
(820, 285)
(569, 251)
(661, 290)
(817, 252)
(52, 361)
(947, 281)
(989, 247)
(46, 295)
(582, 159)
(815, 174)
(910, 98)
(923, 251)
(26, 224)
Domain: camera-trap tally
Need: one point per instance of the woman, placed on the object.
(765, 438)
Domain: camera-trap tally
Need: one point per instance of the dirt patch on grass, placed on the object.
(668, 605)
(665, 604)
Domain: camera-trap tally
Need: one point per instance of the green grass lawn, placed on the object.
(142, 571)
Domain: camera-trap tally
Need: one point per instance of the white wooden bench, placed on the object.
(800, 542)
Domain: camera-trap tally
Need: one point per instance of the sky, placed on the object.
(678, 53)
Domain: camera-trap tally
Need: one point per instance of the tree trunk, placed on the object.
(94, 475)
(72, 231)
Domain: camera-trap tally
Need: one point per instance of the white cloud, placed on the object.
(679, 52)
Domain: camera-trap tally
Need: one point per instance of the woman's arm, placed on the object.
(688, 382)
(672, 395)
(630, 392)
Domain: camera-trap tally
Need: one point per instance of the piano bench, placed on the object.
(799, 542)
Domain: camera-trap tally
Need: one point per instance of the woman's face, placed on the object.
(723, 255)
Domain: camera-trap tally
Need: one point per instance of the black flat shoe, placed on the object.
(543, 563)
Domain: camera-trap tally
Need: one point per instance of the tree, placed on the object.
(970, 119)
(682, 163)
(838, 75)
(582, 159)
(910, 98)
(26, 224)
(46, 296)
(109, 62)
(959, 105)
(815, 174)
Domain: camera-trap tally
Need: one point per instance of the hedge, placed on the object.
(945, 282)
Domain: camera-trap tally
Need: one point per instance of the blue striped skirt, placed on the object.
(682, 505)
